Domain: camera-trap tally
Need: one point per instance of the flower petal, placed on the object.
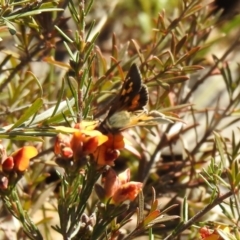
(94, 133)
(124, 177)
(105, 156)
(115, 141)
(8, 164)
(23, 156)
(128, 191)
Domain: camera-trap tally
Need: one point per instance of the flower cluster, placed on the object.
(85, 143)
(78, 146)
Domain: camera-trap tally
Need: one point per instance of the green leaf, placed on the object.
(48, 5)
(181, 43)
(206, 181)
(72, 56)
(47, 115)
(35, 12)
(175, 80)
(185, 210)
(60, 95)
(37, 81)
(162, 219)
(16, 137)
(220, 148)
(30, 112)
(10, 26)
(192, 68)
(150, 234)
(63, 34)
(193, 10)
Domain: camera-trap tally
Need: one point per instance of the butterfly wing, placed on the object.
(133, 95)
(140, 100)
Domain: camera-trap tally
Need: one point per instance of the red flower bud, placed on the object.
(8, 164)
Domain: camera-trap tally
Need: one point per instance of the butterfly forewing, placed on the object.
(133, 95)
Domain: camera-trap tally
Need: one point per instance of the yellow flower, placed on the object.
(19, 160)
(83, 142)
(108, 152)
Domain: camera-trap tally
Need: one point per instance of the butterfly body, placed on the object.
(117, 121)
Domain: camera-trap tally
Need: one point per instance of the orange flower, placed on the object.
(128, 191)
(105, 156)
(208, 234)
(115, 141)
(124, 177)
(107, 153)
(61, 142)
(79, 144)
(119, 188)
(86, 142)
(19, 160)
(8, 164)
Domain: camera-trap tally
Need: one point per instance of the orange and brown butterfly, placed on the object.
(128, 108)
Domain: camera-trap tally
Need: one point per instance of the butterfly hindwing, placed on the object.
(140, 100)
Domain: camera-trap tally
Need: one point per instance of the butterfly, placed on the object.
(128, 108)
